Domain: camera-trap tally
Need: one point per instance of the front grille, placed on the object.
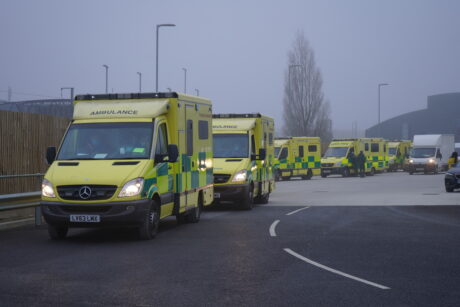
(221, 178)
(95, 192)
(85, 209)
(327, 164)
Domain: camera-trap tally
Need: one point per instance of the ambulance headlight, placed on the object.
(338, 163)
(47, 189)
(240, 176)
(132, 188)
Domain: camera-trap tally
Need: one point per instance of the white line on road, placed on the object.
(319, 265)
(295, 211)
(272, 228)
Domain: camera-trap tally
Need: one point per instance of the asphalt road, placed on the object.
(308, 247)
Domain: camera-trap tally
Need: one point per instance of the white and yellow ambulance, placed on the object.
(297, 157)
(336, 158)
(243, 158)
(130, 160)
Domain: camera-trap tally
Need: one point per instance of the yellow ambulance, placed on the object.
(297, 157)
(398, 153)
(336, 158)
(243, 158)
(130, 160)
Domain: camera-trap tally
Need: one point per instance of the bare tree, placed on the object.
(305, 111)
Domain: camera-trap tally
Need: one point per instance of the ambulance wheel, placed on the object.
(263, 199)
(308, 176)
(346, 172)
(372, 172)
(277, 177)
(149, 228)
(57, 232)
(285, 178)
(411, 172)
(248, 200)
(195, 213)
(323, 175)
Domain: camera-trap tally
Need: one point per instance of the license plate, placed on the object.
(216, 195)
(326, 171)
(419, 169)
(85, 218)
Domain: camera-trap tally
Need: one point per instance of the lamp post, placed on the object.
(106, 78)
(156, 70)
(197, 92)
(71, 91)
(380, 85)
(185, 80)
(140, 81)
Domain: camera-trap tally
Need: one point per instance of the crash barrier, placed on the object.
(22, 200)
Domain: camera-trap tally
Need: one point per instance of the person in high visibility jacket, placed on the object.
(453, 160)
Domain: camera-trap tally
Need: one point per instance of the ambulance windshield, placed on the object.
(336, 152)
(392, 151)
(107, 141)
(231, 145)
(421, 152)
(277, 151)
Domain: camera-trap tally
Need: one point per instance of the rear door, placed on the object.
(190, 163)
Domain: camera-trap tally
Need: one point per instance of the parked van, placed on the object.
(130, 160)
(430, 152)
(297, 157)
(243, 158)
(398, 152)
(336, 158)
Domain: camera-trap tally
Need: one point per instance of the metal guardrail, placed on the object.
(22, 200)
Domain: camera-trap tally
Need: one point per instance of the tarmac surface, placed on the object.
(387, 240)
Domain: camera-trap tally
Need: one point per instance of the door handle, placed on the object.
(193, 164)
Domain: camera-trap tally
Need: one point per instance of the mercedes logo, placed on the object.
(84, 192)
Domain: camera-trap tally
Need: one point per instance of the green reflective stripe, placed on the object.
(162, 169)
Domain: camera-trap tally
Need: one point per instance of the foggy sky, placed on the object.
(236, 51)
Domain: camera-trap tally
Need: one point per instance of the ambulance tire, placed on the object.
(308, 176)
(149, 228)
(372, 172)
(411, 172)
(263, 199)
(323, 175)
(247, 202)
(346, 172)
(57, 232)
(194, 215)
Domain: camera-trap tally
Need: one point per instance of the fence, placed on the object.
(24, 138)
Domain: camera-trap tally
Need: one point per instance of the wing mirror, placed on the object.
(50, 155)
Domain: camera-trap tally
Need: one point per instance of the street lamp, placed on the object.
(197, 92)
(156, 70)
(380, 85)
(71, 91)
(185, 80)
(106, 78)
(140, 82)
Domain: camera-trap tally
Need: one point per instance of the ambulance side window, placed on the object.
(301, 151)
(161, 147)
(366, 147)
(270, 139)
(312, 148)
(374, 147)
(189, 137)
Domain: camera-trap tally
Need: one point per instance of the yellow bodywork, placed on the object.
(182, 181)
(303, 157)
(260, 131)
(374, 149)
(401, 153)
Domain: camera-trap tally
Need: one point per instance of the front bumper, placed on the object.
(129, 213)
(331, 170)
(414, 168)
(231, 192)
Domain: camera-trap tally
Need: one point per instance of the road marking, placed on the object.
(295, 211)
(272, 228)
(319, 265)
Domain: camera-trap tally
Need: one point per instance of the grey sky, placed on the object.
(236, 51)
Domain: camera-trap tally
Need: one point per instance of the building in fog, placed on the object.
(55, 107)
(442, 116)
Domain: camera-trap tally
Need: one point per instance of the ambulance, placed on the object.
(297, 157)
(398, 153)
(336, 158)
(130, 160)
(243, 158)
